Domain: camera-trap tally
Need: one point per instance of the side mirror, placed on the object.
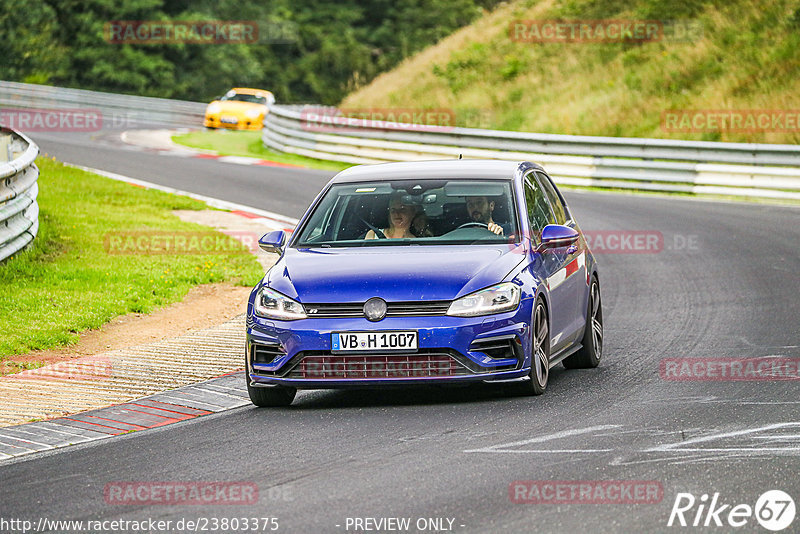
(273, 242)
(558, 235)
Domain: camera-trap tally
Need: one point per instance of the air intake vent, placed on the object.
(498, 348)
(378, 366)
(265, 352)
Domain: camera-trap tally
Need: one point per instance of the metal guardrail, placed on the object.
(117, 111)
(19, 212)
(738, 169)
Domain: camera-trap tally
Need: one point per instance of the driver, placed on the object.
(480, 210)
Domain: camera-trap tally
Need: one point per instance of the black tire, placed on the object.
(592, 350)
(540, 345)
(269, 397)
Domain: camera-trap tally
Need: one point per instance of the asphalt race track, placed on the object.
(280, 190)
(724, 284)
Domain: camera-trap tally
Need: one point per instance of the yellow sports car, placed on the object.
(240, 109)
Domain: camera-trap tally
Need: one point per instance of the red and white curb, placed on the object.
(212, 396)
(160, 141)
(244, 160)
(188, 402)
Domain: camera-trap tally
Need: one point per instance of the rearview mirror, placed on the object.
(273, 242)
(558, 235)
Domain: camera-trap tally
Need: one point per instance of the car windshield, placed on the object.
(242, 97)
(412, 212)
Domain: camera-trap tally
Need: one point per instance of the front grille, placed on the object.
(377, 366)
(265, 353)
(423, 308)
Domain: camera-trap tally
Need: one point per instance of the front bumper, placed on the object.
(214, 121)
(450, 349)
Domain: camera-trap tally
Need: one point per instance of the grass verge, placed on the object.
(249, 144)
(68, 282)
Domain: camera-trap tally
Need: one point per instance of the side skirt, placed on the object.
(565, 353)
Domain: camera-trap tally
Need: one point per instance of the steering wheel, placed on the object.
(378, 232)
(473, 224)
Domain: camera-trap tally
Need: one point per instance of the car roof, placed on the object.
(249, 90)
(468, 169)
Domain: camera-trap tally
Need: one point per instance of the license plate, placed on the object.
(357, 341)
(228, 120)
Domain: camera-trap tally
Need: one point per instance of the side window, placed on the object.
(324, 225)
(539, 213)
(555, 201)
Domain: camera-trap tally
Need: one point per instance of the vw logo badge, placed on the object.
(375, 309)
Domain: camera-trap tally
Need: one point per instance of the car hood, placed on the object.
(235, 106)
(403, 273)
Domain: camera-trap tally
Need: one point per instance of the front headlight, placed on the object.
(273, 305)
(496, 299)
(213, 109)
(252, 113)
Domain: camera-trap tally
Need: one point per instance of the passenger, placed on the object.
(400, 218)
(480, 210)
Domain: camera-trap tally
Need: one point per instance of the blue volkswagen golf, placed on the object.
(425, 272)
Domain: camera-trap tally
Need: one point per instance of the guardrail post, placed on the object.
(5, 148)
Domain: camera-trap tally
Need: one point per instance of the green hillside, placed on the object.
(745, 57)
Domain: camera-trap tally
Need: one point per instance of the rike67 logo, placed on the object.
(774, 510)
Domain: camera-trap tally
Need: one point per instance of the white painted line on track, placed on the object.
(684, 446)
(222, 393)
(239, 160)
(541, 439)
(213, 202)
(542, 451)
